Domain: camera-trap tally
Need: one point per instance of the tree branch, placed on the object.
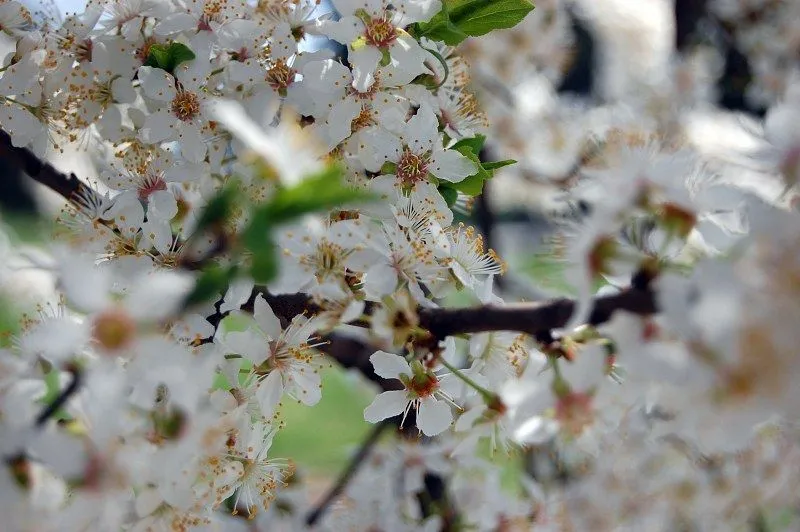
(531, 318)
(68, 186)
(61, 399)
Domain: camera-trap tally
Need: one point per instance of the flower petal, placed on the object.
(237, 295)
(266, 318)
(389, 365)
(386, 405)
(246, 343)
(193, 148)
(422, 130)
(157, 83)
(364, 62)
(451, 166)
(345, 30)
(269, 393)
(158, 233)
(308, 387)
(434, 417)
(175, 23)
(341, 118)
(158, 127)
(380, 280)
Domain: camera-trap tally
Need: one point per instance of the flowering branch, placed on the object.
(530, 318)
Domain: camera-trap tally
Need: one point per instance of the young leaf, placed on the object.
(479, 17)
(316, 193)
(449, 194)
(211, 283)
(168, 57)
(264, 262)
(473, 143)
(441, 28)
(472, 185)
(257, 238)
(494, 165)
(219, 208)
(460, 19)
(52, 391)
(158, 57)
(320, 192)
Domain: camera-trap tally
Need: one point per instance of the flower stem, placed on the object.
(485, 394)
(441, 60)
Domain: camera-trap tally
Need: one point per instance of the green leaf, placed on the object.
(220, 382)
(441, 28)
(472, 185)
(210, 284)
(548, 269)
(219, 208)
(470, 148)
(459, 19)
(449, 194)
(473, 143)
(479, 17)
(494, 165)
(158, 57)
(264, 263)
(168, 56)
(257, 238)
(320, 192)
(388, 168)
(385, 58)
(9, 320)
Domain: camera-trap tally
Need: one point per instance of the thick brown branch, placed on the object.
(531, 318)
(67, 185)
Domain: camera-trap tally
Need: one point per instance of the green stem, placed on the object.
(443, 61)
(559, 385)
(485, 394)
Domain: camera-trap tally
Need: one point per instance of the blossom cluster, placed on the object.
(139, 399)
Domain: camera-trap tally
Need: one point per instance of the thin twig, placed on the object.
(61, 399)
(347, 475)
(50, 410)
